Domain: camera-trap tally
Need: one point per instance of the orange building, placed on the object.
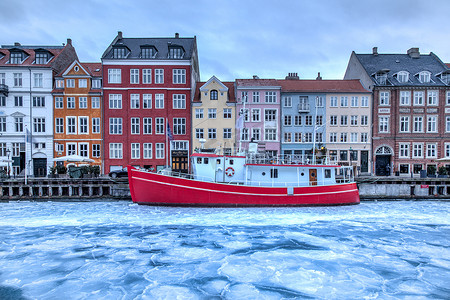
(78, 111)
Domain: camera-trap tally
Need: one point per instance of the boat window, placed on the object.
(205, 160)
(199, 160)
(327, 173)
(218, 161)
(273, 173)
(231, 161)
(263, 173)
(302, 174)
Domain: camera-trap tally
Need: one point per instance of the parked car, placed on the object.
(118, 173)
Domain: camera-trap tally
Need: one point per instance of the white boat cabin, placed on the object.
(236, 169)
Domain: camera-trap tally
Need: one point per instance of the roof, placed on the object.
(95, 69)
(322, 86)
(394, 63)
(256, 82)
(161, 45)
(228, 84)
(30, 52)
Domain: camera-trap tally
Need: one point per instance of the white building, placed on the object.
(26, 105)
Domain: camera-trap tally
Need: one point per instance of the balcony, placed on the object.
(4, 89)
(303, 107)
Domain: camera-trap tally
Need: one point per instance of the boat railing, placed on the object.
(288, 159)
(171, 173)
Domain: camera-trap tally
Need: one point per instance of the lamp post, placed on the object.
(8, 152)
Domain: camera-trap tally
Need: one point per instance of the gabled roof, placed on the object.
(391, 64)
(228, 84)
(95, 69)
(257, 82)
(214, 78)
(322, 86)
(161, 44)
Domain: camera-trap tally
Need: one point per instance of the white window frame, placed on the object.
(148, 150)
(405, 98)
(159, 101)
(135, 150)
(134, 76)
(115, 150)
(114, 76)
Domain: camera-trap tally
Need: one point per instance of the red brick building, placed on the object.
(148, 86)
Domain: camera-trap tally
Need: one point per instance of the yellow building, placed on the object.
(214, 116)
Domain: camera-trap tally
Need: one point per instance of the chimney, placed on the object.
(413, 52)
(318, 76)
(255, 77)
(177, 35)
(17, 44)
(292, 76)
(69, 42)
(119, 34)
(375, 50)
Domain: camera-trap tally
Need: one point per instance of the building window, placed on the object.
(417, 150)
(333, 137)
(84, 149)
(288, 120)
(134, 99)
(364, 137)
(135, 151)
(39, 124)
(119, 52)
(82, 102)
(71, 148)
(384, 98)
(447, 150)
(115, 125)
(287, 137)
(343, 137)
(353, 137)
(212, 133)
(308, 120)
(447, 124)
(245, 134)
(404, 124)
(71, 125)
(96, 83)
(364, 120)
(179, 101)
(244, 97)
(418, 124)
(2, 124)
(148, 153)
(432, 124)
(354, 102)
(270, 115)
(404, 168)
(134, 76)
(114, 76)
(199, 113)
(159, 101)
(433, 98)
(319, 120)
(343, 155)
(147, 101)
(95, 102)
(319, 101)
(404, 150)
(270, 97)
(179, 126)
(333, 120)
(59, 125)
(95, 125)
(383, 124)
(41, 58)
(159, 76)
(364, 101)
(38, 101)
(297, 120)
(18, 124)
(319, 137)
(405, 98)
(333, 101)
(448, 98)
(270, 134)
(38, 80)
(96, 150)
(402, 76)
(227, 133)
(344, 101)
(147, 76)
(227, 113)
(256, 134)
(115, 101)
(212, 113)
(70, 83)
(82, 83)
(344, 120)
(256, 115)
(135, 126)
(431, 150)
(176, 52)
(159, 125)
(15, 58)
(2, 101)
(148, 52)
(199, 133)
(160, 150)
(424, 77)
(287, 102)
(17, 79)
(18, 101)
(2, 78)
(115, 151)
(213, 95)
(59, 102)
(147, 125)
(418, 98)
(179, 76)
(353, 120)
(83, 123)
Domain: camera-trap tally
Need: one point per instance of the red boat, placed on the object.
(220, 180)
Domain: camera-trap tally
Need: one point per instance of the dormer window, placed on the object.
(424, 77)
(176, 52)
(148, 52)
(16, 58)
(59, 83)
(445, 77)
(214, 95)
(403, 76)
(381, 78)
(41, 58)
(119, 52)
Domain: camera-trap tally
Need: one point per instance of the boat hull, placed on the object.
(156, 189)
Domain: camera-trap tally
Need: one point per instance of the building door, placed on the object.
(40, 167)
(180, 161)
(364, 161)
(383, 165)
(313, 176)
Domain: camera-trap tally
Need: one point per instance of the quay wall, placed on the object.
(86, 189)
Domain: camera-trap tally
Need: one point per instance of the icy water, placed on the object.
(119, 250)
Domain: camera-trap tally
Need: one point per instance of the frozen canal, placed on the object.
(119, 250)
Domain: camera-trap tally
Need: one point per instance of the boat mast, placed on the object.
(242, 127)
(314, 133)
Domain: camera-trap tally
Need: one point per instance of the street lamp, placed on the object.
(8, 152)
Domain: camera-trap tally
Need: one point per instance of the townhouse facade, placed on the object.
(78, 111)
(26, 105)
(411, 115)
(213, 116)
(258, 103)
(148, 88)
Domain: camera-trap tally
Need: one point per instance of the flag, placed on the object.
(240, 122)
(27, 136)
(169, 132)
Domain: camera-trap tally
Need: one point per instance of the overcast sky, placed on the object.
(239, 38)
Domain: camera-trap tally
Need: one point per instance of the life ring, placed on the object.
(229, 171)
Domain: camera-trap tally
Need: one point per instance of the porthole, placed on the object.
(263, 173)
(76, 68)
(302, 174)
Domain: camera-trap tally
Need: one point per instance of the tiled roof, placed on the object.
(161, 44)
(228, 84)
(325, 86)
(30, 53)
(256, 82)
(95, 69)
(394, 63)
